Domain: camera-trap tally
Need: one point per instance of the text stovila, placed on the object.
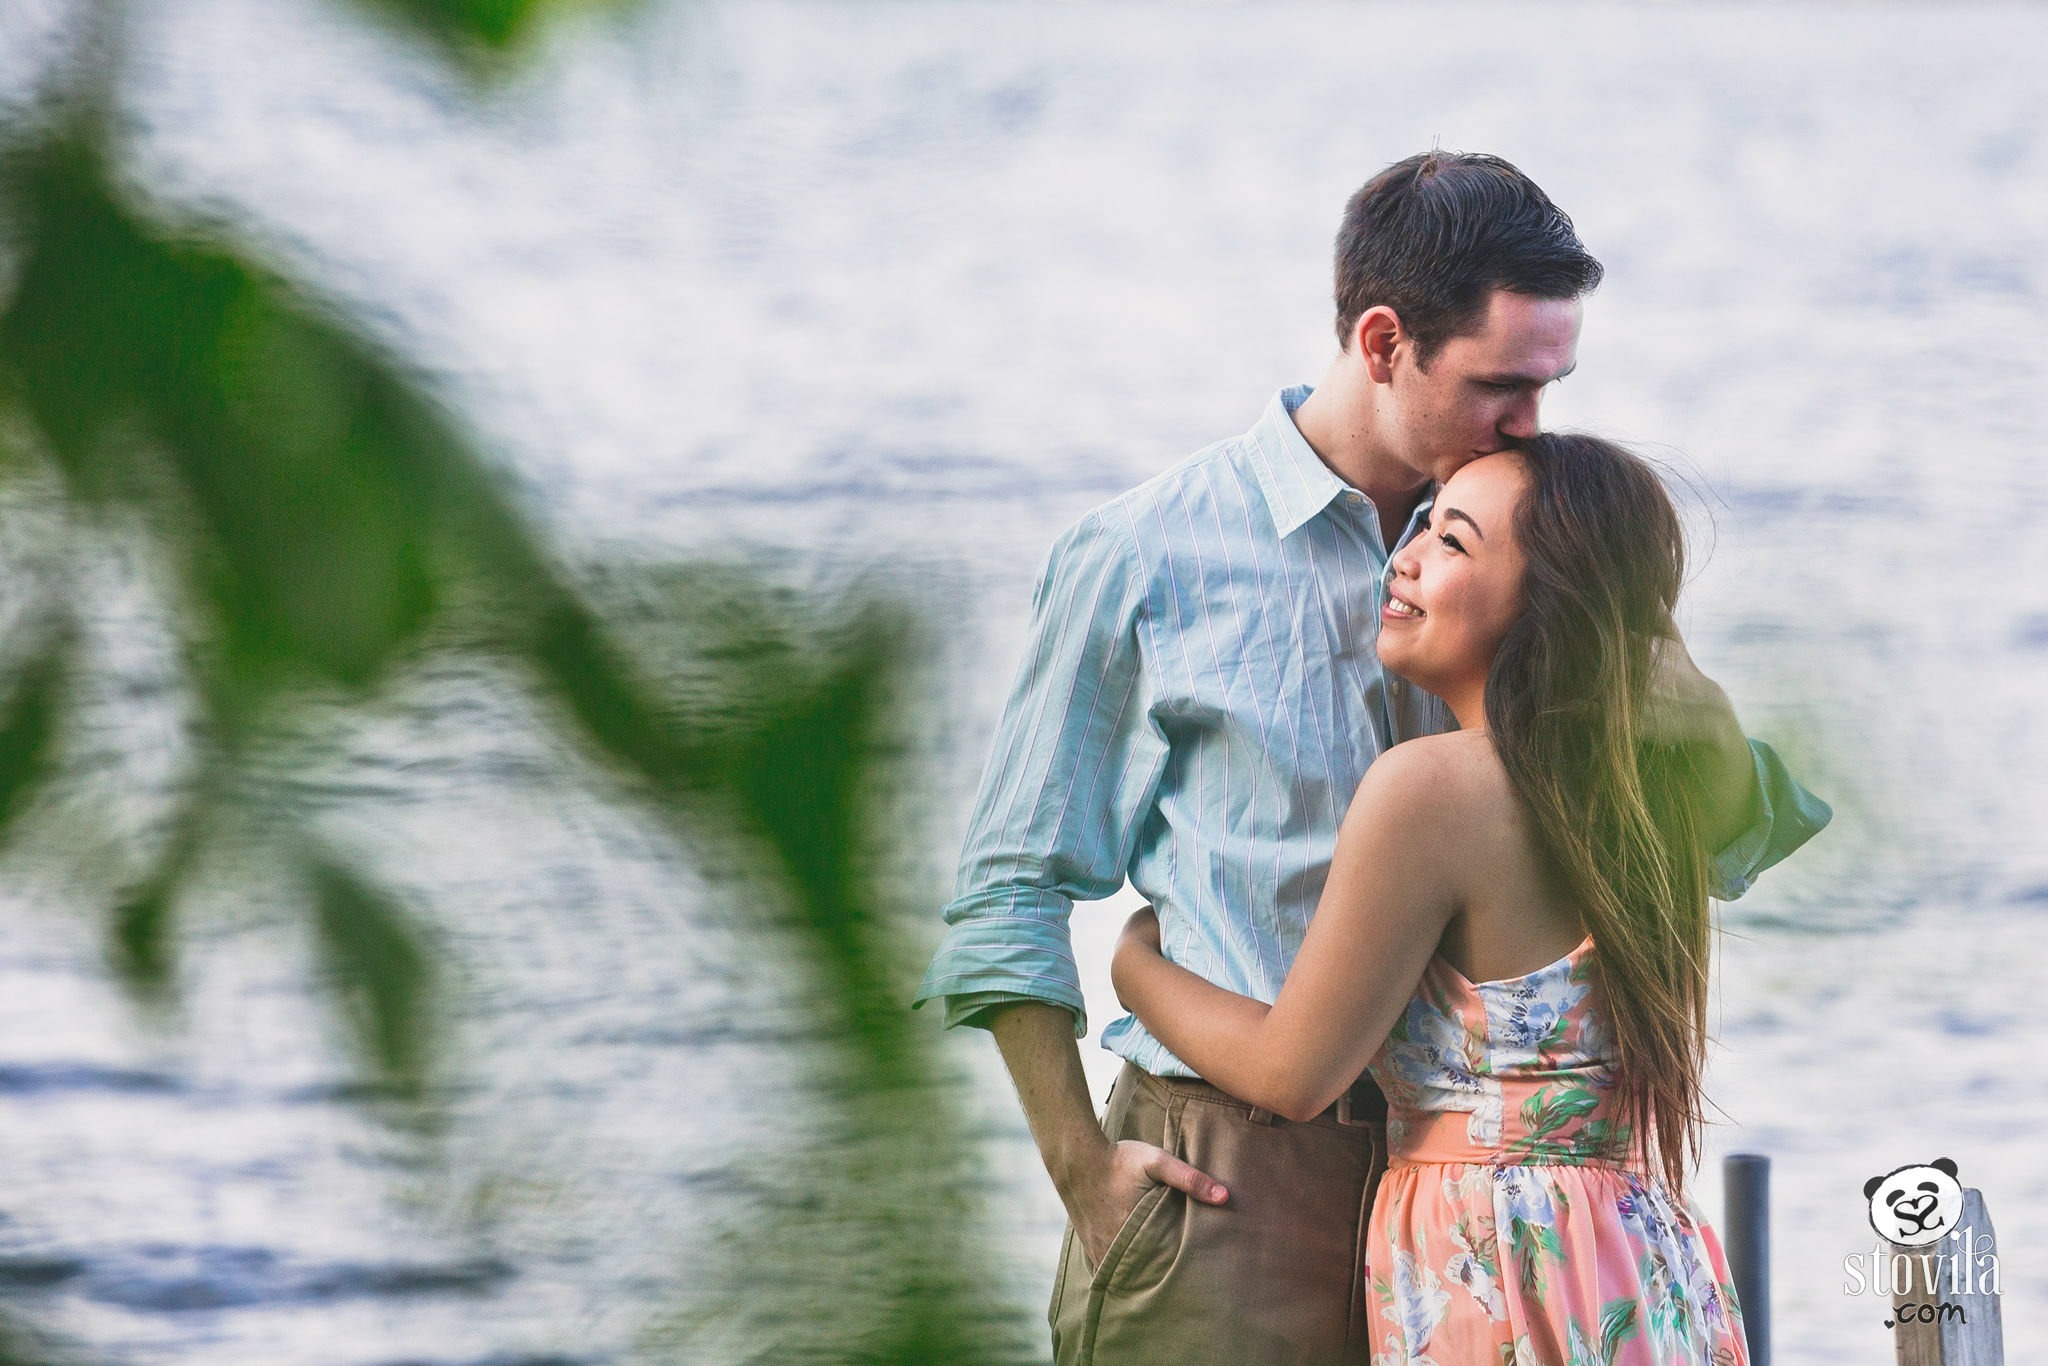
(1968, 1268)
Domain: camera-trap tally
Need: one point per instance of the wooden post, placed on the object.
(1746, 1233)
(1954, 1320)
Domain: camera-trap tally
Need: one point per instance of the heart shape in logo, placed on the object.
(1916, 1212)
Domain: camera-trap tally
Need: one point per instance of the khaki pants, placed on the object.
(1275, 1275)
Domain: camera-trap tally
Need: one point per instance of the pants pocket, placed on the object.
(1126, 1234)
(1077, 1318)
(1068, 1255)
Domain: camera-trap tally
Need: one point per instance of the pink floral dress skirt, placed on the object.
(1516, 1225)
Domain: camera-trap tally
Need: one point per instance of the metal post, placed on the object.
(1746, 1233)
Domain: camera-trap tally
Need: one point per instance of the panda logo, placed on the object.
(1915, 1205)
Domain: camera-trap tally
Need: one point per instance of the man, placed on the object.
(1199, 700)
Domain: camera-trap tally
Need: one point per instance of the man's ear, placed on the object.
(1377, 335)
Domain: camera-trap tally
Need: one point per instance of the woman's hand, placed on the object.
(1140, 939)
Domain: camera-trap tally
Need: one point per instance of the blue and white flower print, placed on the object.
(1428, 1065)
(1419, 1303)
(1523, 1194)
(1526, 1014)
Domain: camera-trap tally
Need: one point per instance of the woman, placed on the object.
(1514, 937)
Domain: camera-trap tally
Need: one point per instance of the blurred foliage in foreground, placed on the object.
(322, 514)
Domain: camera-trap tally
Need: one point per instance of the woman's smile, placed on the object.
(1399, 608)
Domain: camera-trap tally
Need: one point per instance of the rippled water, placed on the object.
(906, 288)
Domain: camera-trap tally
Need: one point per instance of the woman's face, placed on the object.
(1457, 586)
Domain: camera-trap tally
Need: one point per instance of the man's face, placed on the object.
(1483, 389)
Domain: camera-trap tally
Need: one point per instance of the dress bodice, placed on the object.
(1511, 1071)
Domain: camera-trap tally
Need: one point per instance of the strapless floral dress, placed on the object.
(1516, 1224)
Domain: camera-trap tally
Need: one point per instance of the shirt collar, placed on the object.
(1295, 481)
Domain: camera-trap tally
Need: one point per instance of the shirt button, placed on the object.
(1356, 500)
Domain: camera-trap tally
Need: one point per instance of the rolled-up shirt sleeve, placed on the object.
(1787, 817)
(1074, 767)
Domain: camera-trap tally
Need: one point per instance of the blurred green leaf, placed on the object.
(803, 776)
(23, 1345)
(474, 28)
(326, 508)
(810, 776)
(615, 709)
(381, 972)
(31, 722)
(140, 945)
(297, 446)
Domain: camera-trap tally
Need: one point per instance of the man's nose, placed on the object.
(1519, 420)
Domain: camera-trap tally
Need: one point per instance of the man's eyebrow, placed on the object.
(1510, 377)
(1452, 514)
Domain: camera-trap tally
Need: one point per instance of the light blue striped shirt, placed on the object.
(1199, 699)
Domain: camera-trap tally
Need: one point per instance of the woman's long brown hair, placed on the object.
(1565, 703)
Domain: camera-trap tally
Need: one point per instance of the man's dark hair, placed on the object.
(1433, 236)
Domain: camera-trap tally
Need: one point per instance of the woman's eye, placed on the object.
(1450, 541)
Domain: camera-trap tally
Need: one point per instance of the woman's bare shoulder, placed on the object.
(1462, 759)
(1436, 778)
